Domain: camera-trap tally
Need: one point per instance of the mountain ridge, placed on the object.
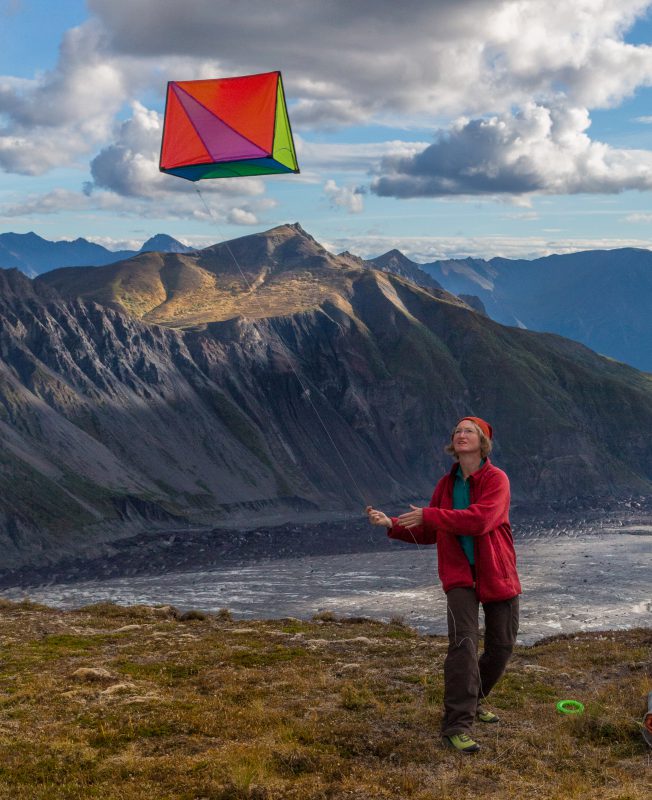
(280, 271)
(112, 423)
(584, 296)
(34, 255)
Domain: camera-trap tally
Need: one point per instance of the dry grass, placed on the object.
(217, 298)
(224, 710)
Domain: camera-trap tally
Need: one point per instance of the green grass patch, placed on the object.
(400, 633)
(267, 658)
(158, 671)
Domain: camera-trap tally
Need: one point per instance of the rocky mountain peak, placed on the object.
(398, 263)
(285, 247)
(162, 243)
(394, 258)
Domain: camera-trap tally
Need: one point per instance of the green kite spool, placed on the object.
(570, 707)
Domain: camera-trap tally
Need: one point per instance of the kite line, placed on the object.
(304, 388)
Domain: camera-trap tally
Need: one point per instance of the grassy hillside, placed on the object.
(125, 703)
(281, 272)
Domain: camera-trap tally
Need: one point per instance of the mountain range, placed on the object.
(267, 376)
(601, 298)
(34, 255)
(585, 296)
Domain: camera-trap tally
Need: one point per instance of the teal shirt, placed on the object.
(461, 500)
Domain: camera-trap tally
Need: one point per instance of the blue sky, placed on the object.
(482, 127)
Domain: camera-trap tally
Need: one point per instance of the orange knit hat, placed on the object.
(485, 427)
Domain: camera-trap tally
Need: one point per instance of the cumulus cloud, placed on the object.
(51, 120)
(523, 74)
(346, 61)
(537, 150)
(129, 165)
(326, 114)
(128, 169)
(347, 197)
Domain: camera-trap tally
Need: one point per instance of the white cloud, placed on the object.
(522, 74)
(118, 244)
(424, 249)
(346, 61)
(326, 114)
(347, 197)
(51, 120)
(58, 200)
(539, 149)
(128, 168)
(211, 207)
(352, 157)
(526, 216)
(240, 216)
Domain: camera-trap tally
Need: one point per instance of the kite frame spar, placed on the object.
(227, 128)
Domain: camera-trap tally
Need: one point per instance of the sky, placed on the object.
(444, 128)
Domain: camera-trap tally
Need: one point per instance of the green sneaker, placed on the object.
(461, 742)
(487, 716)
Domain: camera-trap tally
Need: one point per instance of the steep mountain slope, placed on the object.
(394, 261)
(111, 423)
(601, 298)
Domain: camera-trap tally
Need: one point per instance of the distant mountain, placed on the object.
(33, 255)
(162, 243)
(278, 378)
(602, 298)
(394, 261)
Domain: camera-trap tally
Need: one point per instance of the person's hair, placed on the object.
(485, 443)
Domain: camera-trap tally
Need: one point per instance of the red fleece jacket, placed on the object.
(487, 519)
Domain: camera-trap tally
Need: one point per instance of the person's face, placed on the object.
(466, 438)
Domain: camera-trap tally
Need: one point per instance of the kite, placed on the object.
(227, 128)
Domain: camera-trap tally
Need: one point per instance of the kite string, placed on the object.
(306, 394)
(305, 389)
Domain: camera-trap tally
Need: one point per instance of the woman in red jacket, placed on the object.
(468, 519)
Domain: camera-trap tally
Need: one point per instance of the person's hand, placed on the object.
(378, 517)
(411, 518)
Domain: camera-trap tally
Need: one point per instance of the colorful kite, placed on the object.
(228, 127)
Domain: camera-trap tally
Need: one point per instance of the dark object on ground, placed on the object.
(647, 721)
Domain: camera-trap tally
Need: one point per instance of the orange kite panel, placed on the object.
(247, 104)
(181, 144)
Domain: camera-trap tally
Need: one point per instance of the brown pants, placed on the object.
(467, 678)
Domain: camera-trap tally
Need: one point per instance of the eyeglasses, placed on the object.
(459, 431)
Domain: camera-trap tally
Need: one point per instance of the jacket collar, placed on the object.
(477, 474)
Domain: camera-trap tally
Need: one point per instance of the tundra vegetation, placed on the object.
(121, 703)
